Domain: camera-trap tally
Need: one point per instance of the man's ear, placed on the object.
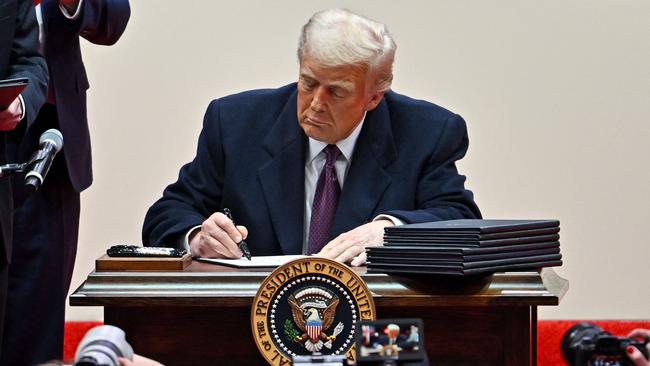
(374, 100)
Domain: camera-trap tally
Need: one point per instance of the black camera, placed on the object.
(586, 344)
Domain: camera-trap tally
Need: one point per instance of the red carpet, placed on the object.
(550, 334)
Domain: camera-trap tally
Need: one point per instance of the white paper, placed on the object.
(270, 261)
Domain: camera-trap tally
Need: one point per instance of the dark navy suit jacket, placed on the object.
(19, 57)
(100, 22)
(251, 159)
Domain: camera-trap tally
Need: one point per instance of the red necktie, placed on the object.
(325, 201)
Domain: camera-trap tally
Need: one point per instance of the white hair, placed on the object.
(339, 37)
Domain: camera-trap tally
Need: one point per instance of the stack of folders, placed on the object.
(467, 247)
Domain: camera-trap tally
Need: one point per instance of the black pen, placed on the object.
(242, 244)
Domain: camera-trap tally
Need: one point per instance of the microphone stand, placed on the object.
(12, 169)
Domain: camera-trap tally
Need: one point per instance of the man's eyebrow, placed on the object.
(345, 84)
(307, 74)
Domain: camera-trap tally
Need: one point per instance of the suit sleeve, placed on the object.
(102, 21)
(195, 195)
(26, 61)
(441, 194)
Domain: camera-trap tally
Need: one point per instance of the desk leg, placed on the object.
(533, 336)
(518, 336)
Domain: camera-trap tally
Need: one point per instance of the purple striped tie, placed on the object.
(326, 198)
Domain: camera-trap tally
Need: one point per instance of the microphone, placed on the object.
(50, 143)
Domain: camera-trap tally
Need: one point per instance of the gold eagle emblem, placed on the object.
(313, 310)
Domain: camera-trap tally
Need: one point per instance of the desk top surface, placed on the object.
(202, 284)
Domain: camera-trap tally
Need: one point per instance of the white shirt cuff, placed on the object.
(67, 14)
(395, 220)
(22, 106)
(185, 240)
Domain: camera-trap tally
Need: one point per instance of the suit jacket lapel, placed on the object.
(283, 178)
(367, 179)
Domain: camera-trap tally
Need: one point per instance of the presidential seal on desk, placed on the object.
(309, 306)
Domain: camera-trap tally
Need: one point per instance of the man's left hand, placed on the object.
(70, 5)
(351, 245)
(10, 117)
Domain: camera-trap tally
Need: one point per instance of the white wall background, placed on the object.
(556, 95)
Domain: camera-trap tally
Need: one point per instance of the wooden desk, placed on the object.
(200, 316)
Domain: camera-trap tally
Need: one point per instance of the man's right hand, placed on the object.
(217, 238)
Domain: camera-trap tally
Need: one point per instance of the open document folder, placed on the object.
(269, 261)
(9, 90)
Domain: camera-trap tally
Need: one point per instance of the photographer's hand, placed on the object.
(634, 354)
(139, 361)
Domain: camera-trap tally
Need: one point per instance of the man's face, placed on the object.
(332, 100)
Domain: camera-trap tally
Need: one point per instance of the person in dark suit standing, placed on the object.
(19, 57)
(321, 166)
(46, 222)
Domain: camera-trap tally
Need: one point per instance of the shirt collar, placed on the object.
(346, 145)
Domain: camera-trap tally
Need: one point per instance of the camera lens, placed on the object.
(574, 335)
(103, 346)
